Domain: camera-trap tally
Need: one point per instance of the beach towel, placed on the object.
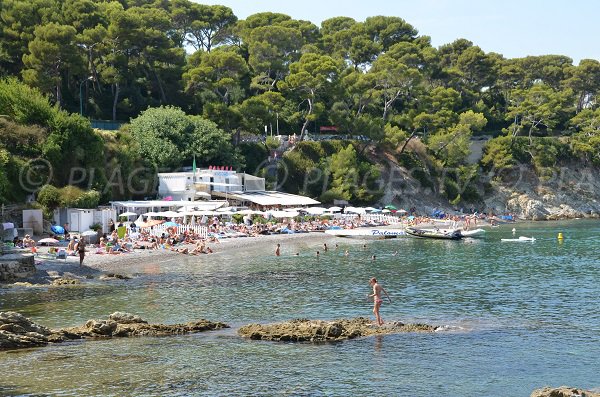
(121, 230)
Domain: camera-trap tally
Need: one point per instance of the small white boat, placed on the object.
(520, 239)
(367, 233)
(473, 233)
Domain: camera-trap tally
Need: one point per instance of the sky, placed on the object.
(510, 27)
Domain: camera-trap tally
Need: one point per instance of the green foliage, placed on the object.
(24, 105)
(376, 78)
(167, 137)
(49, 196)
(330, 170)
(272, 142)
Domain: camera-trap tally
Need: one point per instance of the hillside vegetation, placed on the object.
(190, 80)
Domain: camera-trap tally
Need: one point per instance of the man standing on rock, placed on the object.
(376, 295)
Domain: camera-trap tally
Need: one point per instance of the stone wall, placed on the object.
(16, 266)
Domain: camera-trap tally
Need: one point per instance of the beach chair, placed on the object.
(61, 254)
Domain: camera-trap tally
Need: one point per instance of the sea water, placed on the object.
(516, 316)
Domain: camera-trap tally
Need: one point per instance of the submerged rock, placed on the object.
(303, 330)
(17, 331)
(563, 391)
(114, 276)
(65, 281)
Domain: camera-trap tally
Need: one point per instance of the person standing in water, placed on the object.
(278, 250)
(377, 300)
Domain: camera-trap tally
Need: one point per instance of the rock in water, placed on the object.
(17, 331)
(563, 391)
(324, 331)
(126, 325)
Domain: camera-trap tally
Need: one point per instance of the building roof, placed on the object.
(273, 198)
(205, 205)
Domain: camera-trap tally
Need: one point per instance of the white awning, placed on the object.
(273, 198)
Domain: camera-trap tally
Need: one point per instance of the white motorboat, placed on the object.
(442, 234)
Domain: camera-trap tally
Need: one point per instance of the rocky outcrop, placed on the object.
(127, 325)
(65, 281)
(16, 266)
(114, 276)
(17, 331)
(563, 391)
(326, 331)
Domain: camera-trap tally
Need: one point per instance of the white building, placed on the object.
(239, 189)
(206, 183)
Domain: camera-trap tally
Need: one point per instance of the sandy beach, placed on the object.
(96, 265)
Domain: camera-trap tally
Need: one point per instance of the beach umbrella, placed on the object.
(128, 214)
(170, 224)
(57, 229)
(355, 210)
(48, 241)
(170, 214)
(246, 212)
(283, 214)
(335, 209)
(386, 211)
(88, 233)
(402, 211)
(391, 207)
(315, 210)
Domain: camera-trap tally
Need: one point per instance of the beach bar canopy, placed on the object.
(271, 198)
(143, 207)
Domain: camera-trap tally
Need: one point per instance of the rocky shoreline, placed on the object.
(17, 331)
(303, 330)
(563, 391)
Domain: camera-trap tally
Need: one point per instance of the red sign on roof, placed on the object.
(328, 128)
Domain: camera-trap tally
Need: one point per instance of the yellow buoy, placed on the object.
(560, 236)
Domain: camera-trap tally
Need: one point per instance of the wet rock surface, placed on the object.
(303, 330)
(17, 331)
(563, 391)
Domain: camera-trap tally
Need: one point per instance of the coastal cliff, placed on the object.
(547, 194)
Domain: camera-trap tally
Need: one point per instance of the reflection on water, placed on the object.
(514, 313)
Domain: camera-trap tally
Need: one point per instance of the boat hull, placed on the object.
(434, 234)
(367, 233)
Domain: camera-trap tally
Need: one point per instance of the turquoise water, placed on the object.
(519, 316)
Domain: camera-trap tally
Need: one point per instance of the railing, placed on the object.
(391, 219)
(158, 230)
